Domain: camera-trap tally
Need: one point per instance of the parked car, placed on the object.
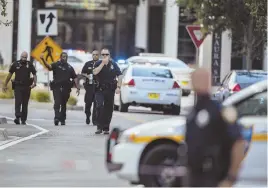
(181, 71)
(134, 154)
(237, 80)
(149, 86)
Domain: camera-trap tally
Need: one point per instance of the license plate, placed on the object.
(184, 83)
(153, 95)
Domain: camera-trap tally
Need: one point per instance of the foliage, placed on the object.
(72, 101)
(247, 19)
(3, 13)
(40, 95)
(9, 94)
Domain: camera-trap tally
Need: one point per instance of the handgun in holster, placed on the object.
(51, 85)
(13, 84)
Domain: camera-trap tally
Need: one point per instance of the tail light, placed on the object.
(112, 142)
(175, 86)
(236, 87)
(131, 83)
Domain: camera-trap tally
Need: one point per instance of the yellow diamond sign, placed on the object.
(49, 48)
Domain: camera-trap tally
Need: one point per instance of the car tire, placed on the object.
(186, 93)
(176, 110)
(155, 158)
(116, 108)
(122, 107)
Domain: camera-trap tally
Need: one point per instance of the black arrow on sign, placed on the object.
(50, 16)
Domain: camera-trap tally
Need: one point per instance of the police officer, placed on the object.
(89, 86)
(64, 77)
(215, 147)
(22, 86)
(106, 72)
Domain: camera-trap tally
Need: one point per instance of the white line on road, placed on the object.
(43, 131)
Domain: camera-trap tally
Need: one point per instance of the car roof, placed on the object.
(244, 93)
(148, 66)
(156, 58)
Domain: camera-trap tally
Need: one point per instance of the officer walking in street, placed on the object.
(215, 146)
(106, 72)
(22, 86)
(89, 86)
(64, 77)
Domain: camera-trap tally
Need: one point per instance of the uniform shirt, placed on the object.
(108, 73)
(62, 72)
(22, 71)
(88, 69)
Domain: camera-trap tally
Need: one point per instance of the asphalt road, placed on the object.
(70, 155)
(73, 155)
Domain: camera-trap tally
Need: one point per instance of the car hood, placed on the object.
(162, 127)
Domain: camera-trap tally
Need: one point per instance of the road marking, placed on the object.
(12, 143)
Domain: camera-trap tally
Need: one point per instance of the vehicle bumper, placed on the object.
(170, 97)
(125, 161)
(185, 85)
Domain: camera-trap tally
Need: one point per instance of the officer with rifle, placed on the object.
(89, 86)
(22, 86)
(64, 78)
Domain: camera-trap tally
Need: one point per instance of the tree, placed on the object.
(3, 13)
(245, 18)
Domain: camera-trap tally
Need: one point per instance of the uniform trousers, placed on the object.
(61, 96)
(22, 96)
(105, 106)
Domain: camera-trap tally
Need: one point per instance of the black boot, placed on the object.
(63, 122)
(23, 122)
(88, 120)
(17, 121)
(56, 122)
(99, 131)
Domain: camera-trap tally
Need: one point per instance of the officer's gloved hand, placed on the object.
(4, 89)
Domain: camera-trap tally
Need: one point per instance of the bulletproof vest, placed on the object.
(207, 139)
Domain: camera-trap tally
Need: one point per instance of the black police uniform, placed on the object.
(209, 138)
(21, 86)
(63, 76)
(89, 86)
(104, 96)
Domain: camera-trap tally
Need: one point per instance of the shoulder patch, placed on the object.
(229, 114)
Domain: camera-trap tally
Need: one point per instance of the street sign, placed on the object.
(47, 22)
(196, 34)
(49, 48)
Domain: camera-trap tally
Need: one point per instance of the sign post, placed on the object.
(197, 37)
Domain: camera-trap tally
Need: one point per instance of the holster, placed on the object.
(52, 85)
(13, 84)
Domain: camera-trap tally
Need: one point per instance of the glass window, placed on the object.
(250, 77)
(254, 106)
(151, 72)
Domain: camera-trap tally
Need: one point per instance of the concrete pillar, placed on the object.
(142, 14)
(205, 54)
(171, 28)
(24, 27)
(6, 35)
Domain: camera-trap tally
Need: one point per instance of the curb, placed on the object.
(3, 134)
(3, 120)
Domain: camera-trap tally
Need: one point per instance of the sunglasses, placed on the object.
(105, 54)
(95, 54)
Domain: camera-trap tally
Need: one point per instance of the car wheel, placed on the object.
(122, 107)
(116, 108)
(186, 93)
(176, 110)
(151, 175)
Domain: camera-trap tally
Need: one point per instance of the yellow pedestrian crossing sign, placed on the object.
(49, 48)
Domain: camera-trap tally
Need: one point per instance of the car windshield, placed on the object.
(151, 72)
(250, 77)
